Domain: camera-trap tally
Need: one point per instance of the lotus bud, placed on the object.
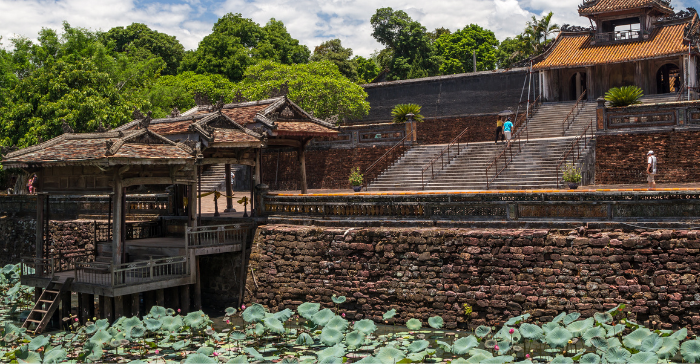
(496, 347)
(228, 322)
(76, 319)
(215, 354)
(242, 307)
(511, 331)
(157, 351)
(527, 356)
(343, 314)
(178, 310)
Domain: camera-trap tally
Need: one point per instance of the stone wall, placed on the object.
(621, 158)
(462, 94)
(16, 239)
(220, 279)
(500, 273)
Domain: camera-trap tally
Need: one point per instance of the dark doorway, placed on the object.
(668, 79)
(577, 85)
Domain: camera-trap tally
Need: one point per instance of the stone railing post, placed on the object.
(600, 114)
(262, 190)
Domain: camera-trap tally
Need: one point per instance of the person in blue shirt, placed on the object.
(508, 129)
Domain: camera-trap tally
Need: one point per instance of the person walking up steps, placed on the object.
(508, 129)
(499, 129)
(651, 169)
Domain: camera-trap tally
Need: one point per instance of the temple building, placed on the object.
(630, 42)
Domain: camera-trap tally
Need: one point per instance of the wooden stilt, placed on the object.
(119, 307)
(242, 275)
(135, 304)
(160, 297)
(229, 189)
(109, 308)
(184, 299)
(198, 288)
(149, 300)
(117, 232)
(172, 298)
(37, 293)
(65, 305)
(301, 152)
(101, 307)
(88, 306)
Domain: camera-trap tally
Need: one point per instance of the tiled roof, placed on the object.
(303, 128)
(245, 114)
(150, 151)
(602, 6)
(575, 49)
(176, 127)
(233, 136)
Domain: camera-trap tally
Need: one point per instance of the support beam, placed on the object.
(172, 298)
(160, 297)
(184, 299)
(39, 242)
(100, 307)
(149, 300)
(65, 305)
(108, 307)
(198, 288)
(87, 307)
(118, 215)
(199, 195)
(135, 304)
(229, 189)
(192, 205)
(119, 307)
(301, 152)
(242, 275)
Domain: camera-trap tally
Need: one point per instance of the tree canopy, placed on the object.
(332, 50)
(456, 50)
(139, 40)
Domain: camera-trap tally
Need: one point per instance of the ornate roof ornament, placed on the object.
(238, 97)
(100, 128)
(137, 115)
(219, 104)
(174, 113)
(66, 127)
(190, 143)
(283, 90)
(575, 28)
(109, 143)
(287, 113)
(146, 121)
(332, 120)
(201, 99)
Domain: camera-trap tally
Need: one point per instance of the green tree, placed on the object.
(139, 40)
(457, 49)
(332, 50)
(316, 86)
(367, 69)
(413, 54)
(512, 50)
(236, 43)
(179, 90)
(531, 42)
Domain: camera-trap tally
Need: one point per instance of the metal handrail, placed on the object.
(683, 92)
(570, 117)
(508, 148)
(441, 156)
(576, 144)
(391, 150)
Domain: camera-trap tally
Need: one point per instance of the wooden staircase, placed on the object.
(46, 305)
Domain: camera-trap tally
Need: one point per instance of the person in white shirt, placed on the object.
(651, 169)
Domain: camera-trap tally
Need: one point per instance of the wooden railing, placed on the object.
(389, 153)
(507, 151)
(204, 236)
(441, 157)
(141, 272)
(134, 230)
(575, 151)
(47, 267)
(571, 116)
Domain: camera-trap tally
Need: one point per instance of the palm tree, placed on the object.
(538, 30)
(546, 27)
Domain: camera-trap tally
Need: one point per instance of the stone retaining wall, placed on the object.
(500, 273)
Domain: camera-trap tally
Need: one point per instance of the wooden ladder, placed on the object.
(46, 305)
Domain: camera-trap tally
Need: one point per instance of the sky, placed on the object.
(310, 21)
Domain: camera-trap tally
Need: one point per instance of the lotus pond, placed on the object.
(313, 334)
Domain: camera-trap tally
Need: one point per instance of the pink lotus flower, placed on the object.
(343, 314)
(76, 319)
(496, 347)
(242, 307)
(527, 356)
(157, 351)
(178, 310)
(228, 321)
(216, 354)
(511, 331)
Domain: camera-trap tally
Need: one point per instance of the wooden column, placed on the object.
(172, 298)
(241, 288)
(198, 288)
(119, 310)
(192, 206)
(229, 189)
(160, 297)
(39, 242)
(101, 307)
(135, 304)
(199, 195)
(590, 90)
(87, 307)
(65, 305)
(302, 166)
(184, 299)
(117, 214)
(149, 300)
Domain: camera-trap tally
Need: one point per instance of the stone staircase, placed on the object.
(659, 98)
(213, 178)
(535, 167)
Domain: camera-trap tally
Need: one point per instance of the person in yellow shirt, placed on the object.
(499, 129)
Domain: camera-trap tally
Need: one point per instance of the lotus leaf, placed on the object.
(259, 329)
(129, 322)
(38, 342)
(152, 324)
(444, 346)
(613, 330)
(680, 334)
(241, 359)
(603, 317)
(389, 355)
(172, 323)
(254, 353)
(157, 312)
(418, 345)
(549, 326)
(31, 358)
(331, 360)
(562, 360)
(614, 342)
(503, 347)
(55, 356)
(498, 360)
(338, 323)
(205, 350)
(321, 318)
(230, 311)
(482, 331)
(198, 358)
(283, 315)
(504, 334)
(571, 318)
(369, 359)
(180, 345)
(331, 336)
(417, 357)
(290, 361)
(365, 326)
(558, 338)
(274, 325)
(355, 338)
(389, 314)
(593, 332)
(94, 350)
(600, 343)
(238, 336)
(690, 351)
(253, 313)
(436, 322)
(590, 358)
(579, 327)
(617, 355)
(308, 309)
(559, 317)
(531, 332)
(652, 343)
(91, 328)
(477, 359)
(338, 299)
(613, 311)
(517, 319)
(464, 344)
(101, 337)
(335, 351)
(634, 339)
(644, 358)
(413, 324)
(668, 349)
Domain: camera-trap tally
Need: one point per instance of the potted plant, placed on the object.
(572, 175)
(356, 179)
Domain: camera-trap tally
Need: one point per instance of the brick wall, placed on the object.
(482, 128)
(500, 273)
(622, 158)
(17, 239)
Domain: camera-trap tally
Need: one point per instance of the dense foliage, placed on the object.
(399, 113)
(624, 96)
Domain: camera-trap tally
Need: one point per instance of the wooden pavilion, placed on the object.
(170, 151)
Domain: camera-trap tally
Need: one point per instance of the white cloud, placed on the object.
(310, 21)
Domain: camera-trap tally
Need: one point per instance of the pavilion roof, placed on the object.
(590, 7)
(575, 49)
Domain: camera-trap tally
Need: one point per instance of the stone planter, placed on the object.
(357, 188)
(573, 185)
